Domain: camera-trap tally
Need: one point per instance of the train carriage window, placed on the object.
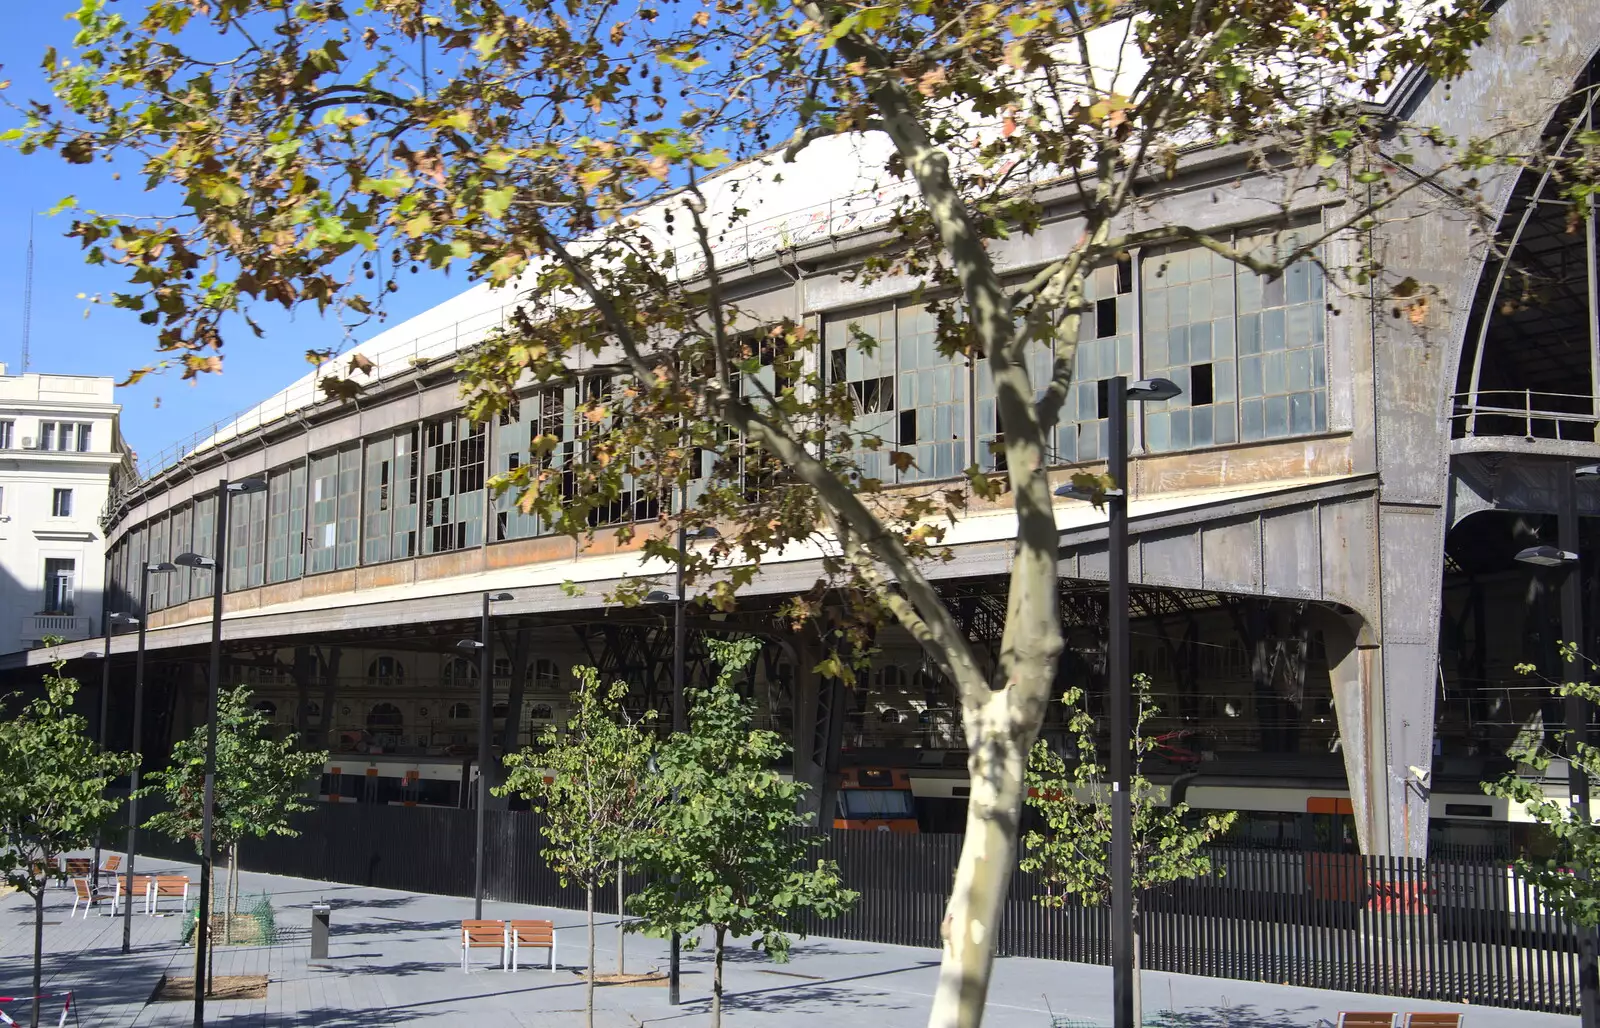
(876, 803)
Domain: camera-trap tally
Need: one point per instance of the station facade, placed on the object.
(1322, 525)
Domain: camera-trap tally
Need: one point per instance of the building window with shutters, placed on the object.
(60, 576)
(61, 503)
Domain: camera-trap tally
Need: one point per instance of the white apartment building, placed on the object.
(61, 452)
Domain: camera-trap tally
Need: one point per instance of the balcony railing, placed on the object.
(67, 626)
(1567, 417)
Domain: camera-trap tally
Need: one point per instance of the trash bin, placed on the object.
(319, 930)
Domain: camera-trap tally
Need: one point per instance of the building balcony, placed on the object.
(68, 626)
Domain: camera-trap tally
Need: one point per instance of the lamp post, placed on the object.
(485, 703)
(112, 619)
(1565, 556)
(138, 757)
(225, 492)
(680, 643)
(1118, 684)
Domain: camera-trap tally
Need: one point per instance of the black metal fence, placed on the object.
(1459, 931)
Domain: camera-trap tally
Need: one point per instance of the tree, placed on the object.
(592, 783)
(315, 154)
(53, 781)
(728, 854)
(260, 781)
(1072, 854)
(1576, 839)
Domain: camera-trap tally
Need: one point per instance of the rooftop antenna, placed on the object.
(27, 297)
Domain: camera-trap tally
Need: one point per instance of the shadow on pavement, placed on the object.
(1242, 1015)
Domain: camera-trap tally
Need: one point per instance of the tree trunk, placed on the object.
(716, 979)
(38, 948)
(211, 938)
(228, 899)
(1138, 962)
(983, 874)
(621, 925)
(588, 978)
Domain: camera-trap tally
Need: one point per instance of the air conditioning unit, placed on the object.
(27, 442)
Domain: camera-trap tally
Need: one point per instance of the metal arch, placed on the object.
(1532, 204)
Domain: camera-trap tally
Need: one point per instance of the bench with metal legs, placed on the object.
(531, 935)
(482, 935)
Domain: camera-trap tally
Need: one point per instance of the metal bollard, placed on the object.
(319, 930)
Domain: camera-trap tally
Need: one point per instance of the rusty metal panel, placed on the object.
(1291, 554)
(329, 583)
(1349, 546)
(520, 552)
(1231, 556)
(448, 565)
(395, 572)
(1170, 558)
(1293, 460)
(1094, 562)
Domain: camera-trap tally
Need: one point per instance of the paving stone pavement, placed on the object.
(393, 960)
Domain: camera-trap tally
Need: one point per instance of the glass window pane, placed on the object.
(1272, 330)
(1300, 413)
(1222, 426)
(1249, 376)
(1250, 421)
(1250, 333)
(1156, 434)
(1222, 381)
(1276, 416)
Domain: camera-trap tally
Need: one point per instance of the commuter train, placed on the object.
(1282, 815)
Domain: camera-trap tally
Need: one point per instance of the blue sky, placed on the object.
(161, 409)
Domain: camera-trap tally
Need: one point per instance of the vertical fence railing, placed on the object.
(1457, 930)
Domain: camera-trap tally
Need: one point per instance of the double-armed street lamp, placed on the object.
(112, 619)
(485, 650)
(143, 621)
(225, 492)
(1122, 392)
(680, 643)
(1565, 558)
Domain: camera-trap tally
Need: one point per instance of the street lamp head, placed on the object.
(1547, 557)
(163, 565)
(194, 560)
(497, 597)
(248, 485)
(657, 596)
(1148, 389)
(469, 645)
(1587, 471)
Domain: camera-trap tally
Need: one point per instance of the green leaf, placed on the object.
(497, 201)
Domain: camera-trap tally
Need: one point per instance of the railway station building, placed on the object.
(1323, 526)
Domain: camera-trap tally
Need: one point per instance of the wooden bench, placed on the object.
(169, 885)
(1433, 1021)
(532, 935)
(143, 886)
(482, 935)
(1367, 1019)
